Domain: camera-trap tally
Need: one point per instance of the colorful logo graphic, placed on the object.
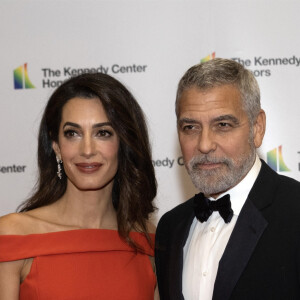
(208, 57)
(275, 160)
(21, 79)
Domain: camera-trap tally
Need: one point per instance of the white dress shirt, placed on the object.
(207, 241)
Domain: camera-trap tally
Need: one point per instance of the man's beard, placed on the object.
(222, 178)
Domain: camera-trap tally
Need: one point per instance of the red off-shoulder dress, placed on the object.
(82, 264)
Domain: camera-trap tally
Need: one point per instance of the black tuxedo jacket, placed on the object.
(262, 257)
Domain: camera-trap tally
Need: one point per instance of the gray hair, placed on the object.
(218, 72)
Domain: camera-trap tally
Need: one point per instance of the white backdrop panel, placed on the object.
(164, 38)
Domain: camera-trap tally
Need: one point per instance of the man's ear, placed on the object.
(56, 149)
(259, 128)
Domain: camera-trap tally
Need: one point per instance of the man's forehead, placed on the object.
(226, 97)
(210, 89)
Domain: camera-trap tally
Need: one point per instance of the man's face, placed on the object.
(217, 142)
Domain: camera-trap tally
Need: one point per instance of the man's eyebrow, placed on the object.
(187, 120)
(94, 126)
(227, 118)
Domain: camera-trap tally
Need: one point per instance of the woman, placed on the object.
(84, 233)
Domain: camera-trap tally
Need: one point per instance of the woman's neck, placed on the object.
(87, 209)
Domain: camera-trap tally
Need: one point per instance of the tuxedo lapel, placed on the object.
(248, 229)
(243, 240)
(176, 256)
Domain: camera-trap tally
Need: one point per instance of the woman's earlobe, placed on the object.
(56, 149)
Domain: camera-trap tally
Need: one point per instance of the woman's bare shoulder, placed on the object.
(23, 223)
(14, 223)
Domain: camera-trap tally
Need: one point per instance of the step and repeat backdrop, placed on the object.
(147, 45)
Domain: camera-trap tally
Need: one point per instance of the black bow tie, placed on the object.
(204, 207)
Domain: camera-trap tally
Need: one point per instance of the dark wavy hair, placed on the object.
(134, 186)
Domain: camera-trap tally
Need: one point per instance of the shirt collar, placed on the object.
(239, 193)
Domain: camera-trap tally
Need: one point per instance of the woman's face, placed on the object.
(87, 144)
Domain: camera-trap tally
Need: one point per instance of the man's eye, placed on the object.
(188, 127)
(223, 124)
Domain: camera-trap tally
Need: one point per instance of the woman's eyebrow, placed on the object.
(94, 126)
(102, 124)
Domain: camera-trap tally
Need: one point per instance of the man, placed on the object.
(211, 247)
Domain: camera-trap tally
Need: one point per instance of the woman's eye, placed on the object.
(70, 133)
(104, 133)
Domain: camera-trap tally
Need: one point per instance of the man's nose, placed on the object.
(206, 141)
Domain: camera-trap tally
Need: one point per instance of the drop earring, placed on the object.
(59, 170)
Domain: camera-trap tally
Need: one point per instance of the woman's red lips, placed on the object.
(88, 167)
